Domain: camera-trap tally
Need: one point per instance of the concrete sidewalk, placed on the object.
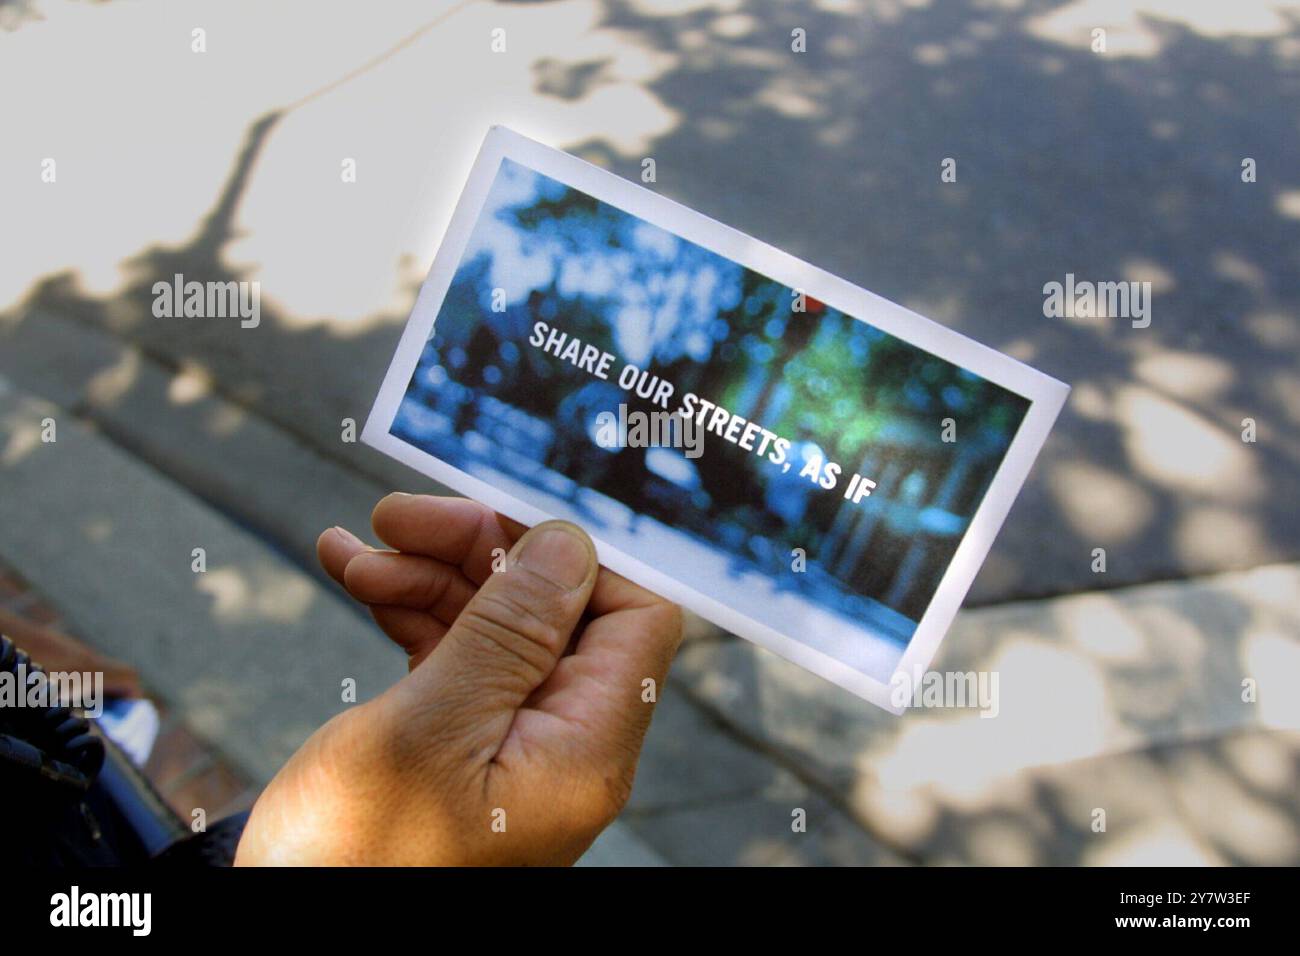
(1128, 700)
(251, 653)
(1125, 166)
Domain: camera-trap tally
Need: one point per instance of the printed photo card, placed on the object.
(802, 462)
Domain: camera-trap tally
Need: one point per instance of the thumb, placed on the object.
(509, 636)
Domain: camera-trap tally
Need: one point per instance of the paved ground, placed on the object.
(247, 657)
(1119, 166)
(182, 433)
(1128, 700)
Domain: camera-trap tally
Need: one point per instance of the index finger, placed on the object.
(454, 530)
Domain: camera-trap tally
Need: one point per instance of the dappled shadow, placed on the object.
(1137, 707)
(1068, 162)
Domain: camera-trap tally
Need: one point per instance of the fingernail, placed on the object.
(347, 536)
(557, 553)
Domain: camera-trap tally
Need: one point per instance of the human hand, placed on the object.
(514, 738)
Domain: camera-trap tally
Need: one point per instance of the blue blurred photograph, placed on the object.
(819, 473)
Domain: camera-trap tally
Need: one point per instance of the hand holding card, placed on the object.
(516, 681)
(806, 464)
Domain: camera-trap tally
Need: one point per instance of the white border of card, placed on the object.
(1046, 396)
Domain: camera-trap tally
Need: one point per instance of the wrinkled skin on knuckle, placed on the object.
(528, 621)
(510, 662)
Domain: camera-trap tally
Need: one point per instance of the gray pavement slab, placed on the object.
(251, 652)
(784, 826)
(1240, 793)
(179, 422)
(702, 797)
(1077, 676)
(65, 361)
(690, 760)
(617, 845)
(1080, 678)
(1126, 700)
(1227, 800)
